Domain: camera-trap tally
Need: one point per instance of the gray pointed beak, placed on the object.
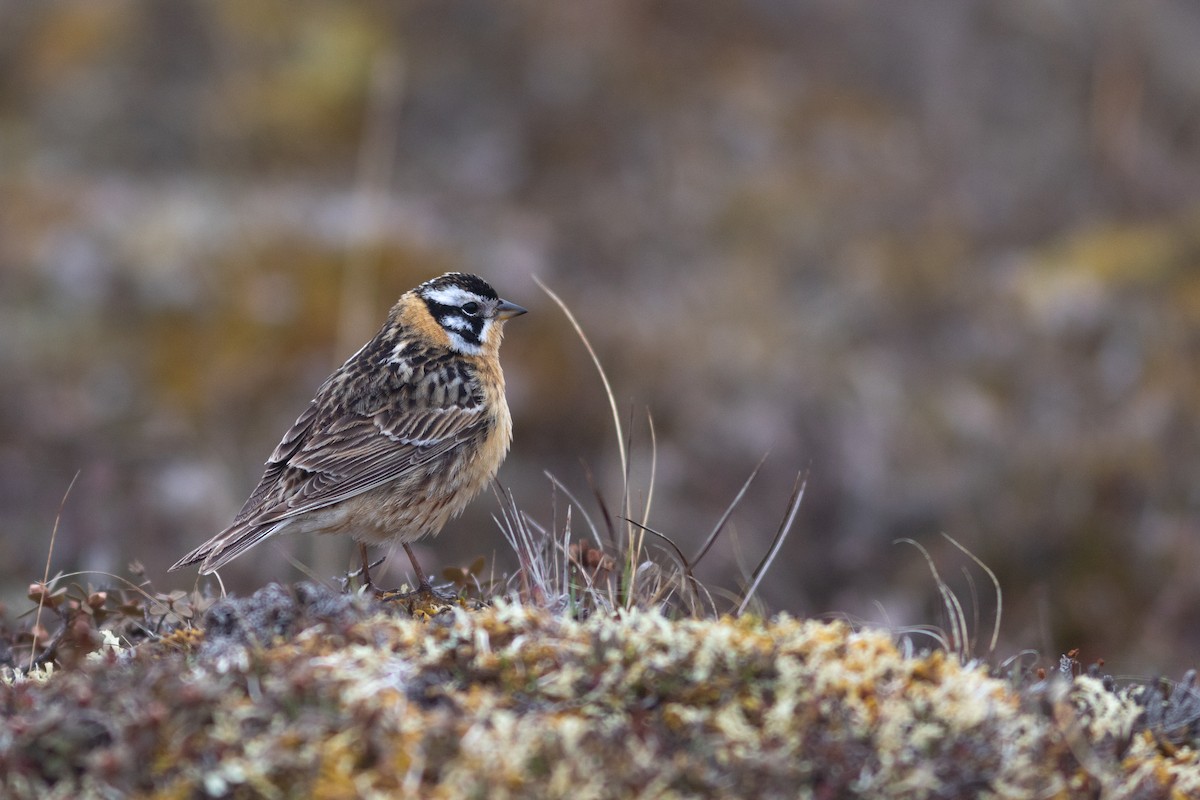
(507, 310)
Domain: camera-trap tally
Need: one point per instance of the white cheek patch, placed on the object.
(454, 322)
(462, 345)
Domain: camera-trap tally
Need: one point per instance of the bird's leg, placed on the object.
(425, 591)
(422, 580)
(366, 565)
(424, 597)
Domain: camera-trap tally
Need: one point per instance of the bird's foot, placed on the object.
(424, 600)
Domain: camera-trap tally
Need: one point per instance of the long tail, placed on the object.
(226, 546)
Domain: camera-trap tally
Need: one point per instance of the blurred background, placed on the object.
(945, 256)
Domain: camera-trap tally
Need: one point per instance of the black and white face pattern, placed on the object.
(465, 306)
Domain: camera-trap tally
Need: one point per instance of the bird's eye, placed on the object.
(471, 308)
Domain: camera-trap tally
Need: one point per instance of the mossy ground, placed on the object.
(307, 692)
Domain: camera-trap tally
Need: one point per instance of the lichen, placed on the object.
(307, 692)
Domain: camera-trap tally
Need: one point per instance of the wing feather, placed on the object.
(338, 450)
(335, 467)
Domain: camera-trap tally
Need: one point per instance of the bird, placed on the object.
(398, 440)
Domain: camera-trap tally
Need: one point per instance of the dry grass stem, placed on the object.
(780, 536)
(49, 556)
(995, 584)
(720, 526)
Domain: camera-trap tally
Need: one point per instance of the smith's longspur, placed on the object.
(398, 439)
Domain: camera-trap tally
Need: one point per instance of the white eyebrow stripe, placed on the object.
(451, 296)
